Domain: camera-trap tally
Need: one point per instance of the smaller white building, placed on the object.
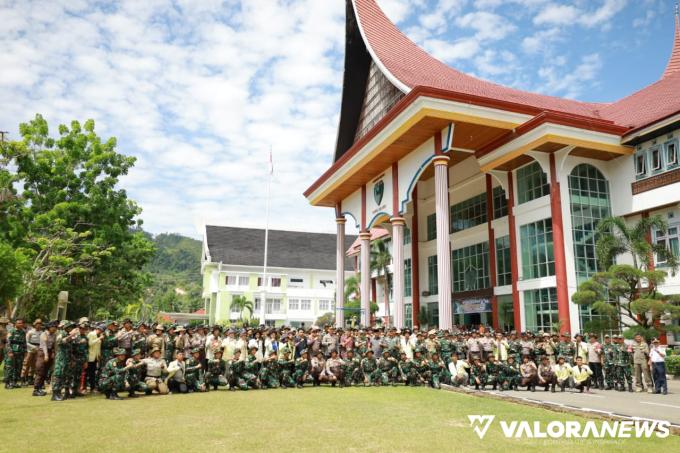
(300, 277)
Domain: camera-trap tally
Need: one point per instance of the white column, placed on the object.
(365, 238)
(398, 270)
(340, 273)
(441, 190)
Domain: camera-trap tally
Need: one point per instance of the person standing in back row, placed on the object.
(657, 360)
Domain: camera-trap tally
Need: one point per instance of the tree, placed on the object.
(424, 318)
(242, 304)
(631, 290)
(62, 208)
(380, 262)
(326, 319)
(12, 264)
(353, 298)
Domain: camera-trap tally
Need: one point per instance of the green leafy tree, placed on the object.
(353, 299)
(243, 305)
(631, 290)
(326, 319)
(380, 262)
(62, 208)
(12, 264)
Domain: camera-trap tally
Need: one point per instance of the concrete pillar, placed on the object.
(558, 248)
(340, 273)
(365, 238)
(398, 270)
(441, 184)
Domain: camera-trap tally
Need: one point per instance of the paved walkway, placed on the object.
(634, 405)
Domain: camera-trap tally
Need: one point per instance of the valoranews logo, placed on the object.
(572, 429)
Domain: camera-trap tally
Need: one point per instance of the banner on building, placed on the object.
(467, 306)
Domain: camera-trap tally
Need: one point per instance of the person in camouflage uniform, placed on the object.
(286, 367)
(215, 373)
(170, 338)
(139, 338)
(369, 368)
(493, 370)
(302, 369)
(389, 369)
(422, 367)
(407, 370)
(114, 373)
(437, 371)
(62, 360)
(135, 374)
(14, 354)
(566, 349)
(252, 368)
(79, 353)
(623, 362)
(352, 370)
(509, 375)
(270, 377)
(609, 353)
(478, 375)
(514, 348)
(193, 374)
(236, 372)
(108, 344)
(446, 347)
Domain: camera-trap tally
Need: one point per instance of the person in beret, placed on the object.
(112, 379)
(135, 374)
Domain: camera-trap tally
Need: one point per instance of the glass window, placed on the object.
(538, 259)
(670, 240)
(305, 304)
(231, 280)
(273, 306)
(470, 267)
(640, 164)
(657, 162)
(431, 227)
(296, 282)
(500, 203)
(503, 270)
(259, 282)
(532, 183)
(540, 309)
(324, 305)
(235, 309)
(257, 305)
(275, 282)
(407, 277)
(243, 280)
(293, 304)
(671, 153)
(432, 274)
(468, 213)
(407, 236)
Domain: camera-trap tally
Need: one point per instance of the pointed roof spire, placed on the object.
(674, 62)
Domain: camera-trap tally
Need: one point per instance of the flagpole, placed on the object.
(263, 299)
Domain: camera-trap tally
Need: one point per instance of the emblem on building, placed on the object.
(378, 191)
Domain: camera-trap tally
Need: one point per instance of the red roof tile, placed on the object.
(376, 233)
(674, 62)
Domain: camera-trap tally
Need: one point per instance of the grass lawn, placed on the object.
(319, 419)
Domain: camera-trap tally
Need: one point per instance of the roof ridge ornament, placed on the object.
(673, 65)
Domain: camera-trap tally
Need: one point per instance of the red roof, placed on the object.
(411, 67)
(376, 233)
(200, 311)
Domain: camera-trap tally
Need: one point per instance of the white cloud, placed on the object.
(488, 26)
(570, 83)
(540, 41)
(450, 52)
(556, 14)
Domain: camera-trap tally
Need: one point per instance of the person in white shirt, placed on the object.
(229, 345)
(657, 360)
(407, 344)
(458, 369)
(562, 373)
(581, 374)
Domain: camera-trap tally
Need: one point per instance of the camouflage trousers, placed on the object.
(389, 376)
(135, 382)
(508, 380)
(269, 379)
(301, 377)
(373, 377)
(287, 379)
(624, 375)
(114, 383)
(353, 376)
(482, 377)
(77, 374)
(61, 373)
(215, 380)
(13, 366)
(412, 378)
(609, 374)
(194, 382)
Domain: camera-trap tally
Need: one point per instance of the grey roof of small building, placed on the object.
(291, 249)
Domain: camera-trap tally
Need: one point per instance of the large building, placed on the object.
(490, 194)
(300, 278)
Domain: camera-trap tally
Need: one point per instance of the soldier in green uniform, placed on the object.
(566, 349)
(112, 379)
(422, 367)
(302, 369)
(609, 353)
(108, 344)
(407, 370)
(170, 343)
(509, 375)
(352, 370)
(269, 375)
(62, 360)
(514, 348)
(389, 370)
(478, 375)
(624, 365)
(79, 353)
(139, 338)
(193, 373)
(236, 371)
(14, 354)
(215, 374)
(493, 370)
(135, 374)
(437, 370)
(369, 368)
(286, 367)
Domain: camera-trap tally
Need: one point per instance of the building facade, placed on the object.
(300, 278)
(490, 195)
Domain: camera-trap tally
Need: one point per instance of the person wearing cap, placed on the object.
(493, 370)
(112, 379)
(157, 339)
(302, 369)
(563, 372)
(582, 375)
(3, 336)
(135, 374)
(317, 365)
(216, 370)
(94, 341)
(139, 337)
(236, 368)
(125, 336)
(108, 343)
(640, 364)
(437, 371)
(181, 341)
(79, 356)
(546, 375)
(510, 375)
(388, 368)
(369, 368)
(609, 352)
(194, 372)
(580, 348)
(657, 360)
(566, 349)
(329, 342)
(624, 365)
(286, 367)
(351, 371)
(45, 358)
(407, 370)
(458, 369)
(501, 348)
(176, 374)
(155, 367)
(595, 361)
(15, 352)
(62, 360)
(474, 348)
(169, 352)
(478, 375)
(32, 346)
(269, 375)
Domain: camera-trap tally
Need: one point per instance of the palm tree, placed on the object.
(381, 258)
(243, 304)
(352, 287)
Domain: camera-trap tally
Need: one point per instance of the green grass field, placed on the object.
(320, 419)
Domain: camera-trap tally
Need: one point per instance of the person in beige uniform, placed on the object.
(155, 368)
(640, 365)
(32, 347)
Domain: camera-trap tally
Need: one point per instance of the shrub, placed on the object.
(673, 365)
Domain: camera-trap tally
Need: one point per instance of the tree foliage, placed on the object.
(381, 258)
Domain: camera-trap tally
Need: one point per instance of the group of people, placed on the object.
(110, 357)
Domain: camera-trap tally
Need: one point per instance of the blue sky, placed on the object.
(198, 91)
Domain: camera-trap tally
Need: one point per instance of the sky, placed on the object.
(199, 91)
